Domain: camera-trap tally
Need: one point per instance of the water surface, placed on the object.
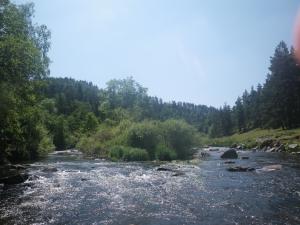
(85, 191)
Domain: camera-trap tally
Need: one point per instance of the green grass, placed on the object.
(249, 138)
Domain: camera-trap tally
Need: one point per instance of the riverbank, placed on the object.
(275, 139)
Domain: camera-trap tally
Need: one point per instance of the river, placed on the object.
(89, 191)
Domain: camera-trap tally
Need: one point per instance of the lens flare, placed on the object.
(297, 37)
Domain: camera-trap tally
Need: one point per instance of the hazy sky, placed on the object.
(205, 52)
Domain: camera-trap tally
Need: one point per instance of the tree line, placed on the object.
(39, 113)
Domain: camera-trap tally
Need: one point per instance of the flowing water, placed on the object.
(84, 191)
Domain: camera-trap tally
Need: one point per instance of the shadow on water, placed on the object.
(82, 191)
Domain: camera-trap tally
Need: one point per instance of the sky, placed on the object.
(200, 51)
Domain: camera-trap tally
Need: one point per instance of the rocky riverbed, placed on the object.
(66, 188)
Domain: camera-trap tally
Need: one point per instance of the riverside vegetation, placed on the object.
(39, 114)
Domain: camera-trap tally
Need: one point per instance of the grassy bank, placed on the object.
(249, 139)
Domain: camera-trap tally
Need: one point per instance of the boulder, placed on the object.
(233, 145)
(265, 142)
(229, 162)
(213, 149)
(245, 157)
(274, 149)
(50, 169)
(163, 169)
(293, 147)
(229, 154)
(240, 147)
(203, 154)
(178, 173)
(14, 179)
(240, 169)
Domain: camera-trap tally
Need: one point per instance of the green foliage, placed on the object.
(249, 138)
(128, 153)
(60, 138)
(165, 154)
(91, 122)
(23, 62)
(145, 135)
(46, 143)
(167, 140)
(180, 136)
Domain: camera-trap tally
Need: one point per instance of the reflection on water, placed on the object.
(99, 192)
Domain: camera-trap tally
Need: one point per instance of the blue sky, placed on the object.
(205, 52)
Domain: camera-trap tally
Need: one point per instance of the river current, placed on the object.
(89, 191)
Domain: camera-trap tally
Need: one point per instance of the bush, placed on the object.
(180, 136)
(144, 135)
(46, 143)
(165, 154)
(135, 154)
(116, 152)
(128, 153)
(91, 146)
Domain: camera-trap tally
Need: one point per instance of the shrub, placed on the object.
(46, 143)
(180, 136)
(116, 152)
(144, 135)
(165, 154)
(135, 154)
(128, 153)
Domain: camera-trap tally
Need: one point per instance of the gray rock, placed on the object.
(14, 179)
(293, 146)
(50, 169)
(245, 157)
(240, 169)
(203, 154)
(265, 142)
(163, 169)
(233, 145)
(178, 173)
(229, 162)
(274, 149)
(229, 154)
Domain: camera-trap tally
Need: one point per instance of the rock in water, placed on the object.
(50, 169)
(14, 179)
(245, 157)
(240, 169)
(163, 169)
(229, 162)
(230, 154)
(178, 173)
(293, 147)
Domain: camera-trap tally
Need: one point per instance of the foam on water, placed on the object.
(99, 192)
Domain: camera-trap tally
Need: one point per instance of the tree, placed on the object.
(23, 63)
(281, 90)
(239, 115)
(91, 122)
(60, 134)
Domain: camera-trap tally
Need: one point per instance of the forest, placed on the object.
(39, 113)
